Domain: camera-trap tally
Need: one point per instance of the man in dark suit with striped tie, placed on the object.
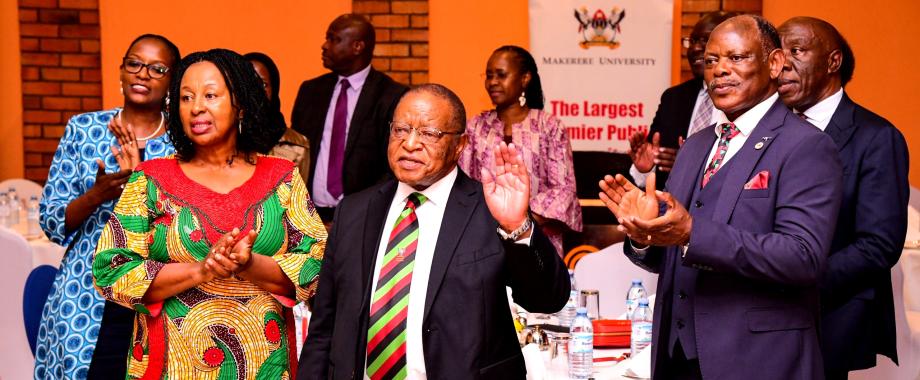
(414, 275)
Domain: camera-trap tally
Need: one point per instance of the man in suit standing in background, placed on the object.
(344, 114)
(738, 273)
(415, 271)
(857, 307)
(684, 110)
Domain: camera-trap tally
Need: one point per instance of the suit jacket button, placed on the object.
(698, 204)
(682, 295)
(680, 323)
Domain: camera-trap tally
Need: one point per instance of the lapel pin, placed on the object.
(758, 146)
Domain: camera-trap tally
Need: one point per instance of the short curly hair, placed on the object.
(260, 129)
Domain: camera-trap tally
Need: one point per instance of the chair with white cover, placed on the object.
(16, 360)
(24, 188)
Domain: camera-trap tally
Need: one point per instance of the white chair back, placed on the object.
(24, 188)
(16, 361)
(611, 273)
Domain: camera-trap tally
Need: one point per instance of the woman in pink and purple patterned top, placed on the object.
(513, 84)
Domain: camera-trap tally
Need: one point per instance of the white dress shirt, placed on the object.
(640, 177)
(745, 124)
(319, 193)
(820, 114)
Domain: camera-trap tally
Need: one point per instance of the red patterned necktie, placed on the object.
(729, 131)
(386, 336)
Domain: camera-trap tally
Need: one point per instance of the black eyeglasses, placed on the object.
(427, 135)
(154, 70)
(687, 41)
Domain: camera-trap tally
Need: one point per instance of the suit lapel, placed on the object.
(363, 107)
(841, 126)
(746, 159)
(692, 158)
(373, 226)
(461, 203)
(318, 117)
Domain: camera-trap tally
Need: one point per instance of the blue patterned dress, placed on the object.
(73, 313)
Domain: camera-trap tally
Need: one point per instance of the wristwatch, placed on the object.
(514, 235)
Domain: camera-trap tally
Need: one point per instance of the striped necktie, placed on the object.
(386, 336)
(729, 131)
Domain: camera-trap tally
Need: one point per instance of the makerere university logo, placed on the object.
(600, 29)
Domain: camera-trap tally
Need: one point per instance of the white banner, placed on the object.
(603, 64)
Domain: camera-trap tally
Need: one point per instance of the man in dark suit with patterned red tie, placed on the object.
(415, 270)
(344, 114)
(742, 238)
(684, 110)
(857, 305)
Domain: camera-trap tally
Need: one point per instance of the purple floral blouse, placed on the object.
(547, 154)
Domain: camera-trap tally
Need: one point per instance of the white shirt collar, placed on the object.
(820, 114)
(437, 193)
(356, 80)
(748, 120)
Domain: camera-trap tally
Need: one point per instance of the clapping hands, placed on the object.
(126, 152)
(232, 254)
(637, 212)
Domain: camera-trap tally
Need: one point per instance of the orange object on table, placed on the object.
(612, 332)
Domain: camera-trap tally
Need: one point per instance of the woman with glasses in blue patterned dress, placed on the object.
(81, 336)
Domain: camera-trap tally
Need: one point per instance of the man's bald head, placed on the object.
(818, 62)
(827, 32)
(349, 45)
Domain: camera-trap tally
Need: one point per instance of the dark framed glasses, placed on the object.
(154, 70)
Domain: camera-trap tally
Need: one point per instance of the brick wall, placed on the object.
(402, 37)
(694, 9)
(59, 44)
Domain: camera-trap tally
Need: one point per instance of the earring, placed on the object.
(167, 99)
(523, 99)
(240, 126)
(121, 87)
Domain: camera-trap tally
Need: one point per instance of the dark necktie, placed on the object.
(386, 334)
(337, 145)
(729, 131)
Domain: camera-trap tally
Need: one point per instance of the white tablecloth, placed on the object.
(44, 252)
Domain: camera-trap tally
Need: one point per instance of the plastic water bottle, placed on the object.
(301, 322)
(34, 228)
(636, 292)
(567, 314)
(15, 206)
(4, 210)
(641, 335)
(581, 346)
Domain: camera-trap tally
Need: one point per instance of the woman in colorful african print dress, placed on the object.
(211, 248)
(80, 333)
(513, 85)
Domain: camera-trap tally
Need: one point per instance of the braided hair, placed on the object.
(274, 77)
(259, 125)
